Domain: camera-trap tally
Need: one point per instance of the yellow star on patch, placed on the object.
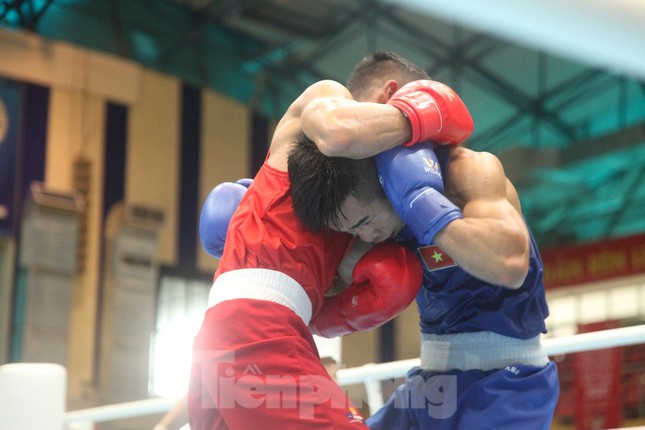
(438, 256)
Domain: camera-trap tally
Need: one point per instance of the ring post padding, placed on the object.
(32, 396)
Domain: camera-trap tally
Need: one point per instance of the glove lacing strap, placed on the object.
(261, 284)
(479, 350)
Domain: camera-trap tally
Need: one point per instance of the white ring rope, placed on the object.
(370, 373)
(120, 410)
(553, 346)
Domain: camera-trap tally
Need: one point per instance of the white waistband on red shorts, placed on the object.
(479, 350)
(261, 284)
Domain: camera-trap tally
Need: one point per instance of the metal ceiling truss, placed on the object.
(570, 91)
(24, 13)
(287, 67)
(487, 80)
(274, 49)
(632, 182)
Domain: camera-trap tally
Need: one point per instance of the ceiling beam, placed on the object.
(605, 144)
(628, 193)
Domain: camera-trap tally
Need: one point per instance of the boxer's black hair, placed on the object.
(381, 66)
(320, 184)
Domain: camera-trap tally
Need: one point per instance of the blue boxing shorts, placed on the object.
(516, 397)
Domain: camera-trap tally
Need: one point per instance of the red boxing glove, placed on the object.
(386, 281)
(435, 112)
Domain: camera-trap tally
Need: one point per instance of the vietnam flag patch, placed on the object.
(435, 258)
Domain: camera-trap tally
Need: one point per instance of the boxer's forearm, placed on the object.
(346, 128)
(493, 248)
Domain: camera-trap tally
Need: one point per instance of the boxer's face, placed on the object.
(372, 221)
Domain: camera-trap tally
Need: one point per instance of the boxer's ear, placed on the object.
(389, 88)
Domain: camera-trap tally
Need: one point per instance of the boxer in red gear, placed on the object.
(255, 364)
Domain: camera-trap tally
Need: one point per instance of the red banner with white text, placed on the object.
(594, 262)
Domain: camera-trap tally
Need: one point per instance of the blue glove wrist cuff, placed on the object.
(428, 213)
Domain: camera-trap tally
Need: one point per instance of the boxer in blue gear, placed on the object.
(482, 305)
(481, 361)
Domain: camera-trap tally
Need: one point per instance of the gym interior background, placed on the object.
(117, 117)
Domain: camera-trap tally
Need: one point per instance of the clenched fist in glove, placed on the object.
(435, 112)
(385, 281)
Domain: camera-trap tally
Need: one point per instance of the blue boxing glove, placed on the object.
(412, 181)
(245, 181)
(216, 214)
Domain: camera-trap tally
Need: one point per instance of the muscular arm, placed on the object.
(419, 111)
(337, 124)
(340, 126)
(491, 242)
(343, 127)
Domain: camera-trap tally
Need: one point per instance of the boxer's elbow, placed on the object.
(335, 142)
(514, 275)
(514, 270)
(515, 259)
(331, 126)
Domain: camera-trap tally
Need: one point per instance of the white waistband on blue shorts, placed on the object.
(479, 350)
(261, 284)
